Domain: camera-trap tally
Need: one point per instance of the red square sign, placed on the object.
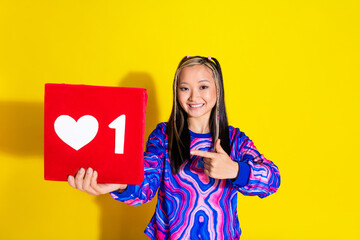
(94, 126)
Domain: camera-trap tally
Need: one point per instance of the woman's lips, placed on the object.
(196, 105)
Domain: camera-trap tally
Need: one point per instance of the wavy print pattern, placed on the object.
(192, 205)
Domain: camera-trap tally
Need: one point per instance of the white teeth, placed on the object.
(199, 105)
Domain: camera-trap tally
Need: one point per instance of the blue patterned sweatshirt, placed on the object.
(192, 205)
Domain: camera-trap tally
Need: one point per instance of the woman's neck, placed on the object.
(199, 125)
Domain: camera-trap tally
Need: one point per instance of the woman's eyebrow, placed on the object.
(204, 80)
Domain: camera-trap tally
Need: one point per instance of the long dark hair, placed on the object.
(177, 126)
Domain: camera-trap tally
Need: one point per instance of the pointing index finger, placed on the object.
(202, 153)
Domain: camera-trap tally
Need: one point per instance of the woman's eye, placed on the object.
(183, 89)
(203, 87)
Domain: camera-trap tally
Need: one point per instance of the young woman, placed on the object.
(196, 161)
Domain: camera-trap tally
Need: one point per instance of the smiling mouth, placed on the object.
(196, 105)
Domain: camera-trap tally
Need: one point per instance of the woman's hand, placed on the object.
(87, 182)
(218, 164)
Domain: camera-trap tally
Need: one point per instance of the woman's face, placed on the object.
(197, 91)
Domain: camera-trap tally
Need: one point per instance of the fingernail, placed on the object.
(89, 170)
(82, 170)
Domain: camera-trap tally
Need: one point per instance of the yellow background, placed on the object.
(291, 72)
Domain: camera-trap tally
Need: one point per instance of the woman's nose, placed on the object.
(193, 95)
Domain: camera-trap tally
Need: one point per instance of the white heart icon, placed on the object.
(76, 134)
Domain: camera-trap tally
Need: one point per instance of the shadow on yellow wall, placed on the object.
(22, 130)
(118, 220)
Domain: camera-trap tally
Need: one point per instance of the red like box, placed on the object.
(94, 126)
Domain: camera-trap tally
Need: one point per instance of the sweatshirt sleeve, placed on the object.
(153, 168)
(263, 177)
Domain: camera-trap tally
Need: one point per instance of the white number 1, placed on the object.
(119, 125)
